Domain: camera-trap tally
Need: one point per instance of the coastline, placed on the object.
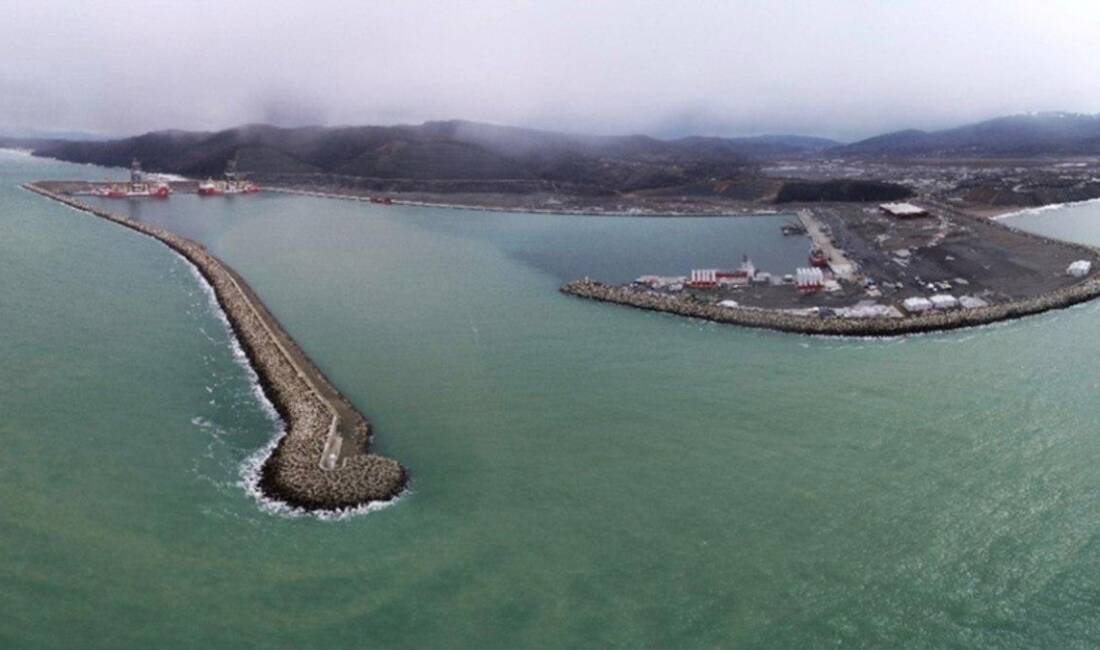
(746, 211)
(1019, 212)
(321, 462)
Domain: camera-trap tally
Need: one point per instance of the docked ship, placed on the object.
(818, 258)
(232, 184)
(138, 186)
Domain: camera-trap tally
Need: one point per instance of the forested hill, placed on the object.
(441, 150)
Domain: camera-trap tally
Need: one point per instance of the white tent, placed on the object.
(916, 304)
(810, 277)
(944, 301)
(1080, 268)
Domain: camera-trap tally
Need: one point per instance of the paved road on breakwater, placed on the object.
(342, 413)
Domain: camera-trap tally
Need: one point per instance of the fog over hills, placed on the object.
(1016, 135)
(441, 150)
(462, 150)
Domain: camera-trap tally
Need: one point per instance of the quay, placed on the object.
(901, 269)
(838, 261)
(323, 461)
(803, 323)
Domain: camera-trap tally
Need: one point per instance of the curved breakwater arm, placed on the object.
(323, 460)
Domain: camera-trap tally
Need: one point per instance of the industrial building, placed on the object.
(903, 210)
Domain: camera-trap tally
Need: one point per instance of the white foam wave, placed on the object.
(239, 355)
(250, 483)
(1050, 207)
(250, 469)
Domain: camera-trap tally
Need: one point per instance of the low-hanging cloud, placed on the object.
(837, 68)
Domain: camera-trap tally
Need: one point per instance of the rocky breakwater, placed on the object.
(322, 462)
(777, 319)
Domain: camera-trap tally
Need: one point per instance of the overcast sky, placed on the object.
(837, 68)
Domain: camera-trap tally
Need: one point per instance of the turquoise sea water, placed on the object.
(583, 475)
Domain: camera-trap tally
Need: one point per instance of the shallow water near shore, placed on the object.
(583, 475)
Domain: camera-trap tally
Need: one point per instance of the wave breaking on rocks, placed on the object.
(320, 461)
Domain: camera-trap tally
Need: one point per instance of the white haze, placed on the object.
(844, 69)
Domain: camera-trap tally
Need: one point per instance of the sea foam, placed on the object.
(1044, 208)
(250, 470)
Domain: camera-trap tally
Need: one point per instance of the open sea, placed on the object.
(583, 475)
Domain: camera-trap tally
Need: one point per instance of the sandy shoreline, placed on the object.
(322, 462)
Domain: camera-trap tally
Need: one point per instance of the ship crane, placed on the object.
(232, 184)
(136, 188)
(231, 170)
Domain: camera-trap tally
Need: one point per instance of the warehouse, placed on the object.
(903, 210)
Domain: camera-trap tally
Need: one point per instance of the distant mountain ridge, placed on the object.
(441, 150)
(472, 152)
(1015, 135)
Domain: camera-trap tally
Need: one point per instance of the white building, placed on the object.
(916, 305)
(944, 301)
(903, 210)
(972, 302)
(703, 278)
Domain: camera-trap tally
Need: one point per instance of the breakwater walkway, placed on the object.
(323, 461)
(776, 319)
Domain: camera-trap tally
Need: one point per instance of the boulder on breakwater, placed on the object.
(311, 408)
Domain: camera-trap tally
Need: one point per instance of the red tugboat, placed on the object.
(818, 259)
(136, 188)
(233, 183)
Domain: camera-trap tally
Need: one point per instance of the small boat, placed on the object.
(792, 228)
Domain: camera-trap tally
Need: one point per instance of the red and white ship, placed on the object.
(818, 258)
(137, 187)
(232, 184)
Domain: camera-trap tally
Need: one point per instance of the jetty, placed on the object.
(323, 460)
(806, 323)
